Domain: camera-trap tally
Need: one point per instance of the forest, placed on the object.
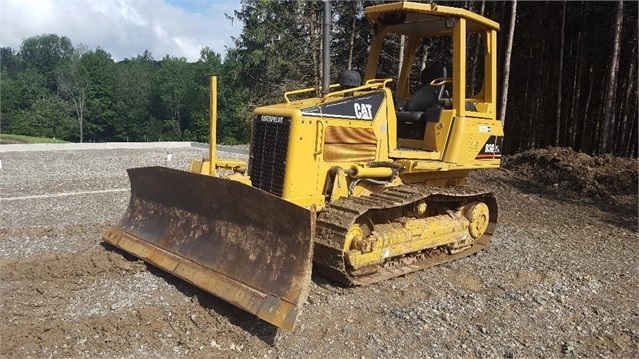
(568, 71)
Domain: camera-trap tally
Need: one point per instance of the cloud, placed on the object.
(124, 28)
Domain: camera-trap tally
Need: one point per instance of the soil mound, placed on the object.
(602, 176)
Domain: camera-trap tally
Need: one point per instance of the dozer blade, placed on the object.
(248, 247)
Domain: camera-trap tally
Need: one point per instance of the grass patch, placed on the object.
(12, 139)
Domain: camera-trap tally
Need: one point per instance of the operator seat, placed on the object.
(424, 106)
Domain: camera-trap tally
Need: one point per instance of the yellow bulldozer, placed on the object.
(360, 181)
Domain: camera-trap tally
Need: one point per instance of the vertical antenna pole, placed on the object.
(326, 47)
(213, 127)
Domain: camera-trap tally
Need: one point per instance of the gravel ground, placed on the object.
(559, 280)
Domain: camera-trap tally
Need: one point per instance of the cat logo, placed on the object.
(363, 111)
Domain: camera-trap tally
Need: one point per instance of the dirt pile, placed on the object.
(603, 176)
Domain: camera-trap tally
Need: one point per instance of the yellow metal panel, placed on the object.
(459, 67)
(467, 138)
(340, 187)
(457, 140)
(373, 57)
(389, 123)
(372, 12)
(416, 165)
(490, 70)
(196, 166)
(423, 155)
(302, 178)
(437, 132)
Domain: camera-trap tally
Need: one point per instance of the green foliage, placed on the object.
(8, 60)
(100, 112)
(45, 53)
(47, 117)
(9, 138)
(273, 53)
(51, 88)
(133, 83)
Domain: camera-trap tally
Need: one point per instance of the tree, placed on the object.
(74, 84)
(275, 52)
(132, 99)
(49, 116)
(173, 84)
(45, 54)
(609, 107)
(100, 112)
(560, 76)
(19, 93)
(507, 56)
(9, 61)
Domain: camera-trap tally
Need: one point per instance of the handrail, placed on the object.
(370, 85)
(383, 81)
(310, 89)
(440, 81)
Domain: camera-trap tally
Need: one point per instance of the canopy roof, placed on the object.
(410, 17)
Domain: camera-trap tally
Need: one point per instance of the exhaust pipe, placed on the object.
(326, 48)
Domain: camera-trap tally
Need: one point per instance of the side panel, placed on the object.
(340, 133)
(469, 137)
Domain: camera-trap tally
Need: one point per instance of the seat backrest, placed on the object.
(427, 95)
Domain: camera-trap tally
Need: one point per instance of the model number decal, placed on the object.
(492, 148)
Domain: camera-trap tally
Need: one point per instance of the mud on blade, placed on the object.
(239, 243)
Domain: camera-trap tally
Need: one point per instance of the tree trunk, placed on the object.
(560, 76)
(576, 92)
(582, 137)
(402, 41)
(509, 48)
(630, 98)
(609, 107)
(633, 144)
(351, 40)
(544, 112)
(529, 104)
(424, 58)
(314, 48)
(537, 83)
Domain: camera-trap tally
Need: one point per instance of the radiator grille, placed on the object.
(269, 146)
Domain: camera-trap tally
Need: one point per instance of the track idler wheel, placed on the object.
(478, 216)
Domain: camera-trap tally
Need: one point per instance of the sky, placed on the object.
(125, 28)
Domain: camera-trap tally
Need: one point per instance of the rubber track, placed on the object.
(337, 217)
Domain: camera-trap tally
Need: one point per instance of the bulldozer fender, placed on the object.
(246, 246)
